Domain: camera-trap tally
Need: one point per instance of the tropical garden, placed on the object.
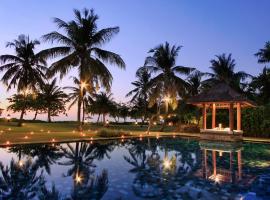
(158, 100)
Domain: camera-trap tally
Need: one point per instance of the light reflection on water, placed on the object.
(164, 168)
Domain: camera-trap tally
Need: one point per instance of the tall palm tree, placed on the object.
(78, 94)
(25, 69)
(53, 99)
(167, 83)
(264, 54)
(142, 89)
(223, 70)
(80, 48)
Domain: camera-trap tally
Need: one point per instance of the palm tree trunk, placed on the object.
(104, 119)
(49, 115)
(83, 114)
(79, 114)
(21, 117)
(35, 117)
(98, 117)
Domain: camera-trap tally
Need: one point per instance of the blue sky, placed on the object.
(205, 28)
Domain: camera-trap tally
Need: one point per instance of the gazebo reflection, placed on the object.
(221, 161)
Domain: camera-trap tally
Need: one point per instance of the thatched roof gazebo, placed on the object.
(221, 96)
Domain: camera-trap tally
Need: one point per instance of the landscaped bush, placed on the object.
(111, 133)
(256, 121)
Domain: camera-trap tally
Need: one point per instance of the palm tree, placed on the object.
(53, 99)
(223, 68)
(81, 49)
(142, 85)
(26, 68)
(261, 84)
(78, 94)
(142, 89)
(166, 84)
(264, 54)
(102, 104)
(195, 82)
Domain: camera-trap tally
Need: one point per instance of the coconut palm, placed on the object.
(142, 89)
(264, 54)
(166, 84)
(80, 48)
(223, 70)
(142, 85)
(261, 84)
(78, 94)
(25, 69)
(195, 82)
(53, 99)
(102, 104)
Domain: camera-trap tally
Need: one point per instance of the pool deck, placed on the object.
(134, 134)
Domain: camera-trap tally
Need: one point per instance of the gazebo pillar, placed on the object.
(231, 124)
(204, 116)
(238, 116)
(213, 116)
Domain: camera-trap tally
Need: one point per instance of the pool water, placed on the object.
(156, 168)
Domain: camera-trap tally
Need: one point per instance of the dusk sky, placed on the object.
(204, 28)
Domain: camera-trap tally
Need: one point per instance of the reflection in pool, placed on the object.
(164, 168)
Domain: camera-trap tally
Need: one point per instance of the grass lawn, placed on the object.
(62, 131)
(67, 131)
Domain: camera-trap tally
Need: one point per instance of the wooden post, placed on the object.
(238, 116)
(204, 117)
(214, 115)
(239, 158)
(231, 117)
(214, 160)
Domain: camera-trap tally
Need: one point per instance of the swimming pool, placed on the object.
(146, 168)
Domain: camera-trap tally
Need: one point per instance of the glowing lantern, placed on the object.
(20, 163)
(78, 178)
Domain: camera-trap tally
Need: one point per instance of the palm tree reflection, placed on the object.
(81, 157)
(158, 176)
(45, 154)
(20, 181)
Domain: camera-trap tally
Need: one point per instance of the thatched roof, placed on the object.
(222, 94)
